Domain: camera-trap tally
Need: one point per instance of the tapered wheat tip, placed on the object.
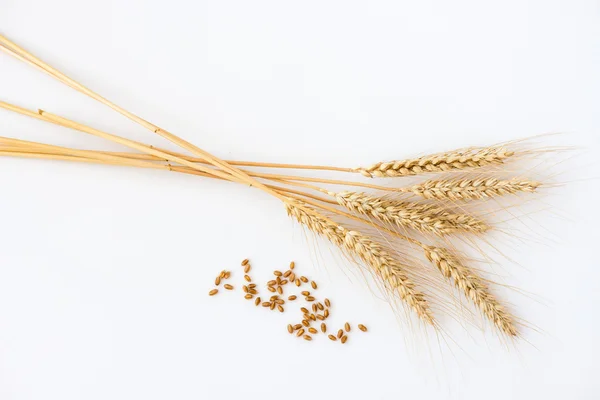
(451, 161)
(472, 189)
(425, 218)
(372, 254)
(472, 286)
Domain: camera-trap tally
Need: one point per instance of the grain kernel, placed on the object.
(283, 282)
(274, 297)
(247, 278)
(307, 337)
(279, 301)
(313, 284)
(306, 317)
(347, 327)
(272, 283)
(305, 322)
(297, 326)
(297, 282)
(248, 296)
(245, 262)
(340, 334)
(252, 285)
(218, 280)
(227, 275)
(309, 298)
(300, 332)
(228, 286)
(277, 273)
(279, 290)
(304, 279)
(271, 289)
(326, 313)
(252, 291)
(312, 330)
(272, 305)
(292, 298)
(323, 327)
(327, 303)
(280, 308)
(344, 339)
(314, 308)
(320, 317)
(362, 327)
(332, 337)
(305, 293)
(290, 328)
(287, 273)
(292, 277)
(266, 304)
(304, 310)
(292, 265)
(247, 269)
(222, 275)
(257, 301)
(320, 306)
(245, 289)
(278, 280)
(213, 292)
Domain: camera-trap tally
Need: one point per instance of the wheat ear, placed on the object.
(472, 189)
(425, 218)
(372, 254)
(450, 161)
(472, 286)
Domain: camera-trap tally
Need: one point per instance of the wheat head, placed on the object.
(456, 160)
(372, 254)
(472, 286)
(425, 218)
(472, 189)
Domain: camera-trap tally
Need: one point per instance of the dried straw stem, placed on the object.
(472, 189)
(425, 218)
(456, 160)
(371, 253)
(473, 287)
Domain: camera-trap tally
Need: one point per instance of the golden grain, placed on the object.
(272, 305)
(252, 291)
(304, 310)
(283, 282)
(320, 306)
(247, 278)
(314, 308)
(362, 327)
(266, 304)
(257, 301)
(277, 273)
(271, 289)
(245, 262)
(312, 330)
(340, 334)
(280, 308)
(252, 285)
(218, 280)
(247, 269)
(287, 273)
(307, 337)
(272, 283)
(292, 297)
(305, 293)
(309, 298)
(323, 327)
(279, 290)
(248, 296)
(326, 313)
(304, 279)
(292, 277)
(320, 317)
(332, 337)
(327, 303)
(290, 328)
(297, 326)
(213, 292)
(292, 265)
(300, 332)
(227, 275)
(344, 339)
(297, 282)
(347, 327)
(305, 322)
(279, 301)
(245, 289)
(313, 284)
(228, 286)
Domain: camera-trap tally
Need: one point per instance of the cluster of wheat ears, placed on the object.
(370, 228)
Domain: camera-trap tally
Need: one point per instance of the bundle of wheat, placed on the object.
(420, 215)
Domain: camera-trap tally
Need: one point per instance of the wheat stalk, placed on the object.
(472, 189)
(472, 286)
(456, 160)
(425, 218)
(371, 253)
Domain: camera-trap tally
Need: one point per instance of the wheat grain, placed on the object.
(456, 160)
(370, 252)
(472, 189)
(472, 286)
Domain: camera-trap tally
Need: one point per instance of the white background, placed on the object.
(104, 271)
